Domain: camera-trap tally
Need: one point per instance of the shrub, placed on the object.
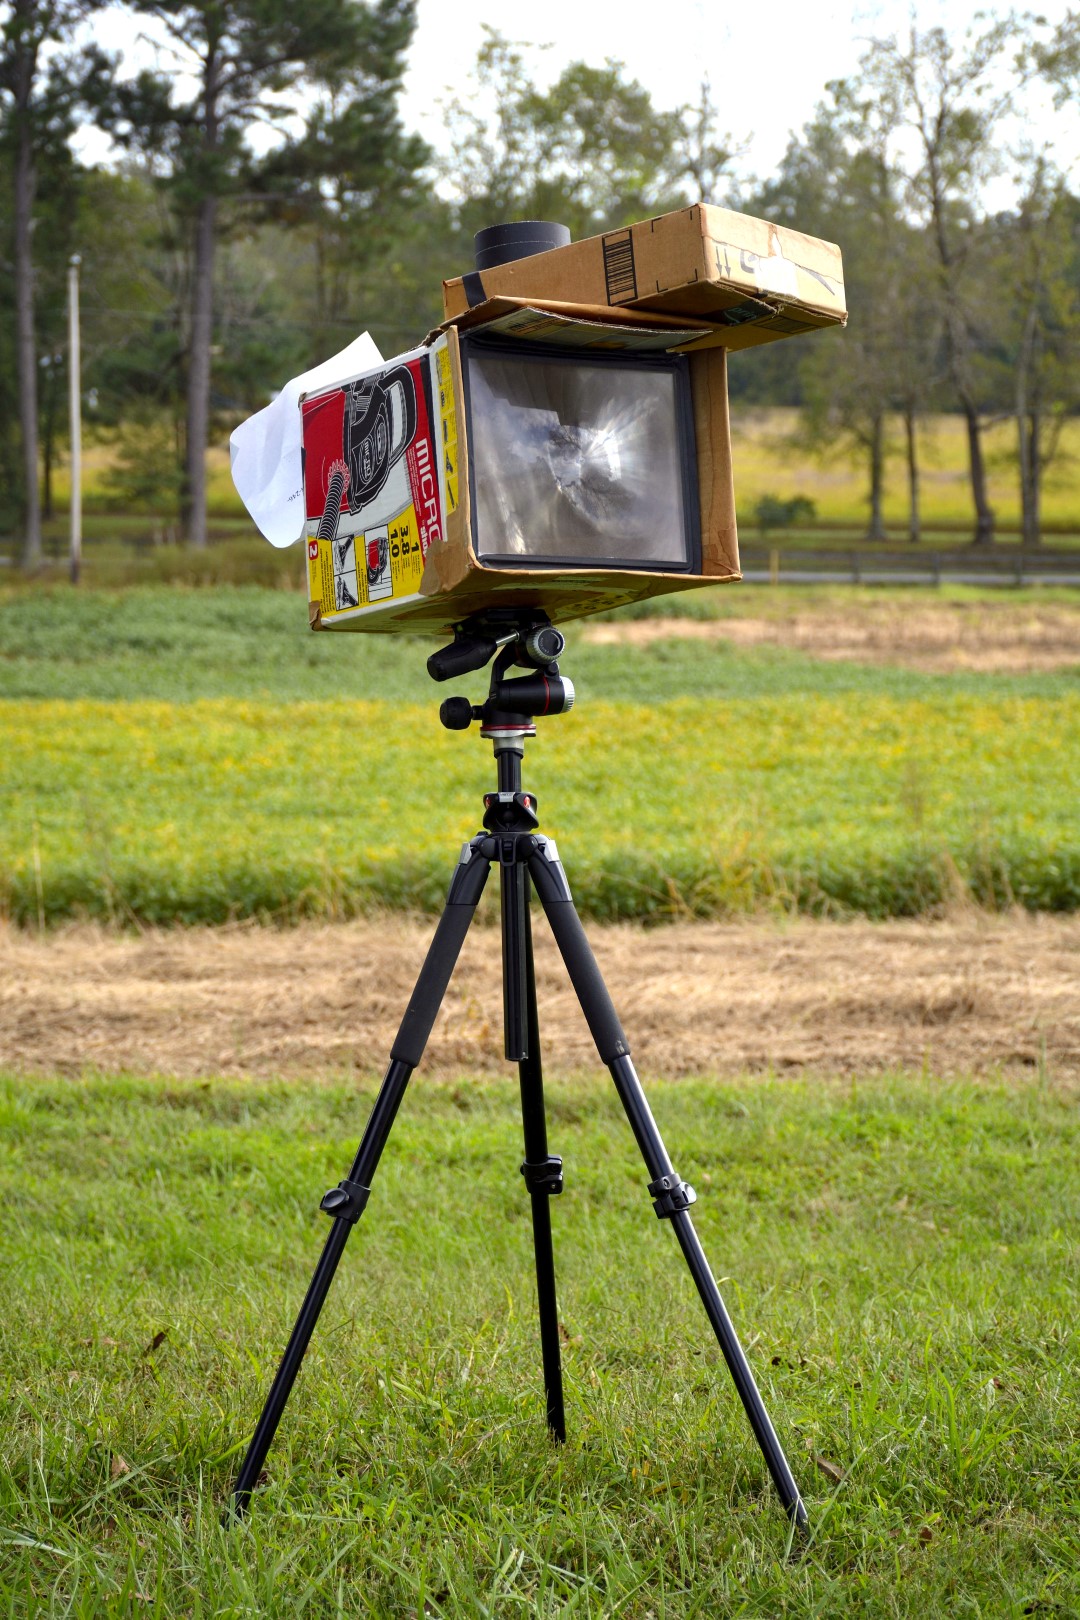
(771, 512)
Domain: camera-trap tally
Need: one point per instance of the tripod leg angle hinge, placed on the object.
(544, 1176)
(346, 1201)
(670, 1194)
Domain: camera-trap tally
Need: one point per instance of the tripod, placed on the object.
(527, 861)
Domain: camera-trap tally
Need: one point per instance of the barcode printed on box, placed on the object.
(619, 275)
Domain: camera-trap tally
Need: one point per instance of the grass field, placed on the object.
(156, 813)
(121, 550)
(767, 461)
(175, 644)
(222, 762)
(896, 1255)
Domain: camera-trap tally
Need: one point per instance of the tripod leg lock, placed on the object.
(346, 1201)
(544, 1176)
(670, 1194)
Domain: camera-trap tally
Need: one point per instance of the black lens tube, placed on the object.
(502, 244)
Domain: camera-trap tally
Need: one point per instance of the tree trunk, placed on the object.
(914, 515)
(198, 381)
(193, 498)
(959, 353)
(1029, 526)
(984, 515)
(1028, 426)
(26, 349)
(876, 527)
(958, 344)
(1027, 435)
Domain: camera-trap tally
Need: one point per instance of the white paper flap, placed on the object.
(265, 450)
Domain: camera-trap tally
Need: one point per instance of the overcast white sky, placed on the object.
(768, 64)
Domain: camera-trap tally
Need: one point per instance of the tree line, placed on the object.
(217, 260)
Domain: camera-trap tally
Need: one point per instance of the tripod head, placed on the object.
(510, 636)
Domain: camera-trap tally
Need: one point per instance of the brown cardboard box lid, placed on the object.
(747, 279)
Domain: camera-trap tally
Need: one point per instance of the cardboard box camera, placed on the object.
(557, 445)
(397, 498)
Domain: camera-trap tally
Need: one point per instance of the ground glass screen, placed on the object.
(578, 462)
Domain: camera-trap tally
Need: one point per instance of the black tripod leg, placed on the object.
(670, 1194)
(345, 1203)
(542, 1171)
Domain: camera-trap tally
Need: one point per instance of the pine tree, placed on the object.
(43, 83)
(250, 61)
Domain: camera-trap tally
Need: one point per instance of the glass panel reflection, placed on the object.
(575, 461)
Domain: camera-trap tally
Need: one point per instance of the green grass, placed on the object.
(897, 1256)
(784, 600)
(174, 644)
(167, 813)
(767, 462)
(183, 756)
(849, 539)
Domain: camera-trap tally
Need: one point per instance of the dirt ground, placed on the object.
(939, 637)
(972, 994)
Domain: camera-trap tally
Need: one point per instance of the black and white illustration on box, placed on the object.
(380, 581)
(358, 440)
(379, 424)
(346, 594)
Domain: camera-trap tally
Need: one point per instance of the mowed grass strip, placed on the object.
(898, 1257)
(178, 643)
(214, 810)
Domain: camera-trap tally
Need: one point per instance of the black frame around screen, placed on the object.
(679, 367)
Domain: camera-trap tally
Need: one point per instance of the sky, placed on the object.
(768, 66)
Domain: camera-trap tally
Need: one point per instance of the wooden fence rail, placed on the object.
(1010, 566)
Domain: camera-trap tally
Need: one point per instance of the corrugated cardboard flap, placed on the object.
(551, 321)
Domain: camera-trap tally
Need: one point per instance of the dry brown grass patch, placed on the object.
(970, 994)
(938, 637)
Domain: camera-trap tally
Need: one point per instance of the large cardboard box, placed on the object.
(748, 280)
(389, 529)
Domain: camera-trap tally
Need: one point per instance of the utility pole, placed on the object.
(75, 399)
